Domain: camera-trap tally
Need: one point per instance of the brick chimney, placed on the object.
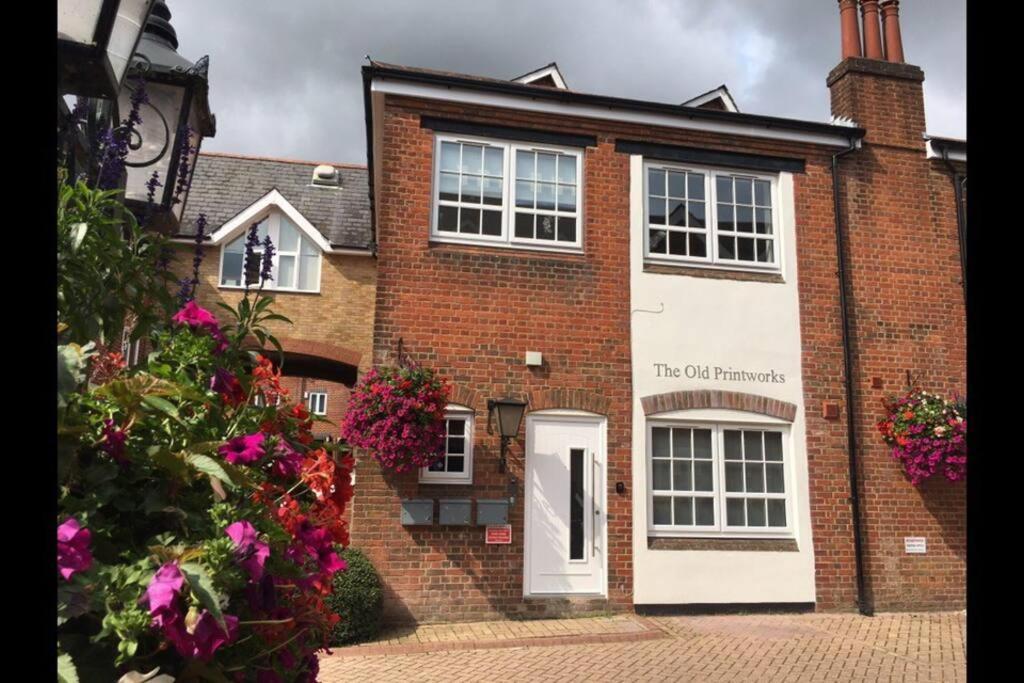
(882, 95)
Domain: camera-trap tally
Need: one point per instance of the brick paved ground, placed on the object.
(807, 647)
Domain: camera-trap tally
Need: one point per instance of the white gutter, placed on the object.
(931, 153)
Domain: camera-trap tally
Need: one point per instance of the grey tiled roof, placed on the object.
(224, 185)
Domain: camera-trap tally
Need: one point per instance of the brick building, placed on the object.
(661, 285)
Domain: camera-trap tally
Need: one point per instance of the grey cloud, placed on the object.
(285, 77)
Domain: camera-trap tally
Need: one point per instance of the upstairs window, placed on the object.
(296, 262)
(317, 402)
(710, 217)
(514, 194)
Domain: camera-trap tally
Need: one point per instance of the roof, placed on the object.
(549, 75)
(716, 98)
(224, 185)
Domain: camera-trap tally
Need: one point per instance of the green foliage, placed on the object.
(357, 599)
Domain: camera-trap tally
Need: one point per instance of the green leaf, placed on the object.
(66, 671)
(202, 586)
(211, 467)
(78, 231)
(162, 405)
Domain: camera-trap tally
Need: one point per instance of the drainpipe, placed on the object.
(851, 434)
(959, 179)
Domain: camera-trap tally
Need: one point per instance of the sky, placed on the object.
(285, 74)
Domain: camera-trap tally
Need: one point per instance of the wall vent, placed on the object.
(326, 175)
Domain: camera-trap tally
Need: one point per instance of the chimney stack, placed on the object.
(872, 29)
(849, 27)
(891, 24)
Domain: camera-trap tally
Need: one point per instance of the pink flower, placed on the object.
(252, 553)
(73, 548)
(113, 441)
(199, 318)
(208, 635)
(163, 588)
(243, 450)
(288, 463)
(228, 386)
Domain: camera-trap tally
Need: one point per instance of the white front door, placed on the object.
(565, 485)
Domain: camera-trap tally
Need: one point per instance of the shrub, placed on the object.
(357, 599)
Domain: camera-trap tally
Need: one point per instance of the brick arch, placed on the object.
(320, 360)
(465, 397)
(713, 398)
(575, 399)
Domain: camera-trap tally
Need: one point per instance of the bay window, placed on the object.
(505, 193)
(296, 261)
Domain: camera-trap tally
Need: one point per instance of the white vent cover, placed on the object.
(326, 175)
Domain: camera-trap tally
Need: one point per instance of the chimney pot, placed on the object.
(850, 28)
(872, 29)
(891, 27)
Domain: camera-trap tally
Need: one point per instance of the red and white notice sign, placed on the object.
(499, 533)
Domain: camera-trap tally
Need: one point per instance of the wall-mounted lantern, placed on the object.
(95, 42)
(510, 416)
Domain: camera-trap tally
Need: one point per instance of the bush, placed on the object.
(357, 599)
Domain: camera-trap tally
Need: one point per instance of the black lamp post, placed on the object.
(95, 41)
(510, 416)
(175, 120)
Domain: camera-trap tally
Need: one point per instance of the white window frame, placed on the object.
(507, 237)
(273, 218)
(713, 261)
(466, 476)
(309, 402)
(719, 529)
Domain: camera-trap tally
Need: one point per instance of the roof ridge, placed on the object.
(252, 157)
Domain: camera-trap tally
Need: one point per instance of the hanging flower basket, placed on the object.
(397, 414)
(928, 435)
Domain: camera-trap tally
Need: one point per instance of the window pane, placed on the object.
(776, 513)
(546, 196)
(734, 477)
(755, 478)
(698, 245)
(677, 185)
(702, 477)
(662, 510)
(566, 229)
(657, 211)
(765, 251)
(471, 189)
(705, 511)
(449, 156)
(723, 188)
(231, 274)
(524, 165)
(456, 445)
(566, 198)
(469, 221)
(576, 504)
(752, 446)
(285, 275)
(677, 243)
(492, 191)
(744, 219)
(492, 223)
(309, 271)
(763, 221)
(447, 218)
(726, 217)
(657, 241)
(733, 448)
(449, 187)
(734, 512)
(545, 227)
(684, 510)
(676, 212)
(307, 248)
(745, 249)
(236, 247)
(681, 476)
(660, 441)
(656, 182)
(681, 443)
(494, 161)
(695, 186)
(472, 159)
(289, 236)
(546, 167)
(755, 512)
(775, 480)
(437, 466)
(762, 193)
(727, 247)
(702, 443)
(662, 470)
(567, 169)
(744, 191)
(456, 463)
(456, 427)
(524, 225)
(524, 194)
(696, 217)
(773, 446)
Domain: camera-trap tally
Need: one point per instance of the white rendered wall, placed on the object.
(753, 326)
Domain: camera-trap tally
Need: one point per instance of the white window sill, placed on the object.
(449, 482)
(439, 239)
(713, 534)
(727, 267)
(270, 290)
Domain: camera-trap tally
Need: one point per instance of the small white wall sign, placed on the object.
(915, 545)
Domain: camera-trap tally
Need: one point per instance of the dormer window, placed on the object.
(296, 262)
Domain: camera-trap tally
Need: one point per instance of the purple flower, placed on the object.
(250, 264)
(113, 441)
(228, 386)
(184, 152)
(266, 270)
(251, 553)
(243, 450)
(288, 463)
(163, 588)
(196, 635)
(73, 548)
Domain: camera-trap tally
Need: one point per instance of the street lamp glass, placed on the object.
(96, 39)
(510, 415)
